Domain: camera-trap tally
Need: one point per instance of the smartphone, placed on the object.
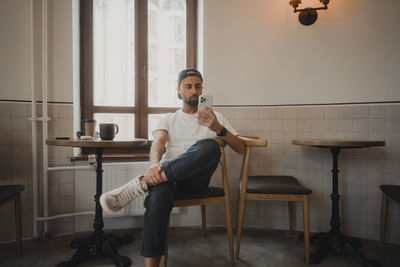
(205, 101)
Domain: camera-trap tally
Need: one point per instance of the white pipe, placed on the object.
(70, 168)
(44, 106)
(64, 215)
(34, 122)
(85, 167)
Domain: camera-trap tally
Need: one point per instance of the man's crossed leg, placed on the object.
(189, 172)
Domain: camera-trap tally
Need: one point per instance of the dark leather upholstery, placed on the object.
(392, 191)
(9, 191)
(274, 184)
(212, 191)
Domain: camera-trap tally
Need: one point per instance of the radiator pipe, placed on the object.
(34, 121)
(45, 113)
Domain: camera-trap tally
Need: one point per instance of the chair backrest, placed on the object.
(225, 182)
(249, 141)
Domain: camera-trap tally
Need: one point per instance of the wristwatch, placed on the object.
(222, 132)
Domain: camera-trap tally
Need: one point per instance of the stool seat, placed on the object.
(9, 191)
(211, 191)
(275, 184)
(392, 191)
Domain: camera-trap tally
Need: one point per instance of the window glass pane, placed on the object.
(113, 53)
(166, 50)
(125, 122)
(153, 119)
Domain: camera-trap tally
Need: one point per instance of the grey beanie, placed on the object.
(187, 73)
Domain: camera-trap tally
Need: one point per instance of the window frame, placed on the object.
(141, 108)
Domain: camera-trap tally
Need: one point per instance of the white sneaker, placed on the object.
(118, 198)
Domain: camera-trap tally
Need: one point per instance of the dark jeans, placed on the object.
(189, 172)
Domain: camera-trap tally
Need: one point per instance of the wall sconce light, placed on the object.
(309, 15)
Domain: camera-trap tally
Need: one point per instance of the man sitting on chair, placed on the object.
(183, 157)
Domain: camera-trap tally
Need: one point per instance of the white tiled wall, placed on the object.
(361, 170)
(16, 166)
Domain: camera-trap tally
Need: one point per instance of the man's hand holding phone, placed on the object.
(206, 115)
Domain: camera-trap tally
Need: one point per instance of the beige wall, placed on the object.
(15, 49)
(257, 48)
(257, 53)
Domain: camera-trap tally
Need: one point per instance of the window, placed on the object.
(153, 22)
(155, 2)
(131, 53)
(176, 59)
(177, 29)
(173, 5)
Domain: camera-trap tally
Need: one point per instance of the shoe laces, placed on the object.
(130, 191)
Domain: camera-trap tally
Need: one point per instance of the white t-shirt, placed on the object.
(184, 130)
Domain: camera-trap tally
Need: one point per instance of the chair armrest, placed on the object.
(255, 141)
(220, 142)
(250, 136)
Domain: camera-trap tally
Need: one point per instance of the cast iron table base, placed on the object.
(335, 240)
(98, 243)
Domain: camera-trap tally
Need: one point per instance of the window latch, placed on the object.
(143, 72)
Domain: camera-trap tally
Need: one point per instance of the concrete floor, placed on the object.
(188, 248)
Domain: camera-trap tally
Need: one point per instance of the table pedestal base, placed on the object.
(98, 244)
(337, 242)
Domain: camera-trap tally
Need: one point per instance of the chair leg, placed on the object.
(291, 213)
(240, 217)
(164, 257)
(237, 206)
(384, 214)
(306, 226)
(18, 223)
(228, 213)
(203, 219)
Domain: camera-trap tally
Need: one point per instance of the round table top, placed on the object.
(337, 143)
(97, 143)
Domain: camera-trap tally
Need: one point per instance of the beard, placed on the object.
(192, 101)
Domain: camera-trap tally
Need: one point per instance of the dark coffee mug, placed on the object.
(108, 131)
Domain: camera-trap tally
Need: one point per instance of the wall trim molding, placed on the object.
(318, 104)
(37, 102)
(229, 106)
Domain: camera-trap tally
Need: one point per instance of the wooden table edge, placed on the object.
(337, 143)
(97, 143)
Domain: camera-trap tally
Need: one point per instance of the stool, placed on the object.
(13, 193)
(389, 192)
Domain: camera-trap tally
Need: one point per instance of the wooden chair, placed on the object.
(13, 193)
(213, 195)
(273, 188)
(389, 192)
